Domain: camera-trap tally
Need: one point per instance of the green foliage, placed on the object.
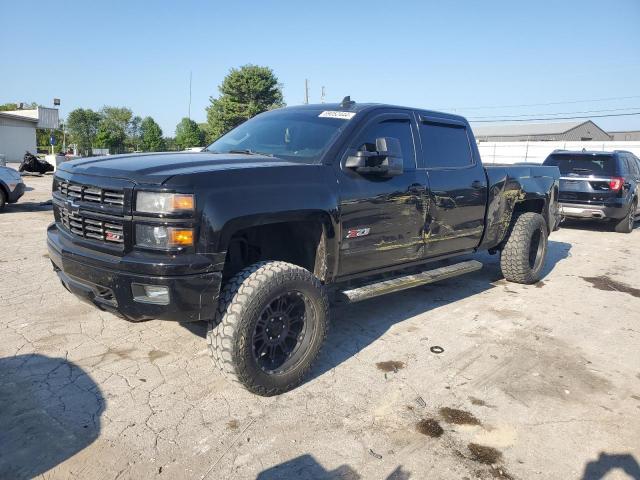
(42, 139)
(113, 128)
(134, 134)
(14, 106)
(170, 144)
(82, 125)
(151, 136)
(188, 134)
(244, 93)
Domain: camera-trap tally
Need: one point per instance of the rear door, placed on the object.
(586, 178)
(458, 187)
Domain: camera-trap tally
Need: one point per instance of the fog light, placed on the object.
(156, 294)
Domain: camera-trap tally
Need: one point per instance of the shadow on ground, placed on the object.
(49, 410)
(605, 463)
(305, 467)
(357, 326)
(21, 207)
(591, 225)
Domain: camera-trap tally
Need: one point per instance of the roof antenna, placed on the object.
(347, 102)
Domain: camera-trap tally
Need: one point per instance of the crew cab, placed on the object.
(293, 208)
(599, 186)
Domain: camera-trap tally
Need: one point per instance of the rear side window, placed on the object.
(445, 145)
(632, 164)
(596, 165)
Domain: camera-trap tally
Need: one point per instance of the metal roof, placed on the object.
(524, 129)
(26, 115)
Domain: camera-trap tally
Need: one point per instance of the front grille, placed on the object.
(88, 193)
(81, 225)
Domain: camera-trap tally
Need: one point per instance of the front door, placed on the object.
(382, 217)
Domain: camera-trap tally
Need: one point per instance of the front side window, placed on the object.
(445, 145)
(295, 135)
(399, 128)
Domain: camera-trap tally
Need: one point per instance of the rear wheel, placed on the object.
(270, 325)
(626, 224)
(524, 253)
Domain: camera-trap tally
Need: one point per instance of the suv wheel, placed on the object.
(3, 199)
(525, 249)
(271, 321)
(626, 224)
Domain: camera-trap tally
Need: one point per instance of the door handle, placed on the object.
(477, 184)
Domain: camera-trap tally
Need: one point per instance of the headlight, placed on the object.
(159, 202)
(163, 237)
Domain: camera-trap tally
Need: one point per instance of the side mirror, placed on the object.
(385, 161)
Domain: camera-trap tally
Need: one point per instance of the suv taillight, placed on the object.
(615, 183)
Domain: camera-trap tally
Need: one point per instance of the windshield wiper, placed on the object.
(247, 151)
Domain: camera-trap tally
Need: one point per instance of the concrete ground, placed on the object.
(534, 382)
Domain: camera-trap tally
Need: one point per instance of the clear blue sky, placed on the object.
(431, 54)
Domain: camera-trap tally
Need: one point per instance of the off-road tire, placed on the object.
(626, 224)
(3, 199)
(230, 333)
(518, 262)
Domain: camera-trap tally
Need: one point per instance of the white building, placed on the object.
(18, 130)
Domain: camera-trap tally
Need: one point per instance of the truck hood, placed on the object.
(157, 168)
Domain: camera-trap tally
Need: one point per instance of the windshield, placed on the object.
(583, 165)
(296, 135)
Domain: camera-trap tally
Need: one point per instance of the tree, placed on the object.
(134, 133)
(170, 144)
(14, 106)
(188, 134)
(113, 128)
(151, 136)
(82, 126)
(244, 93)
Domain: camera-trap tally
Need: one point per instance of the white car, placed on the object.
(11, 186)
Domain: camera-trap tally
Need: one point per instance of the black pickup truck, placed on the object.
(293, 208)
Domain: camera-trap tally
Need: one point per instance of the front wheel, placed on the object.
(525, 250)
(271, 321)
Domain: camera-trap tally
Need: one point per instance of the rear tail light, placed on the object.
(615, 183)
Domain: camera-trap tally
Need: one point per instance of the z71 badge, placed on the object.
(358, 232)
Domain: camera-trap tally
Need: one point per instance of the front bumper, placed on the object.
(594, 212)
(191, 297)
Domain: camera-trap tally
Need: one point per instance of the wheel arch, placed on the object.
(307, 238)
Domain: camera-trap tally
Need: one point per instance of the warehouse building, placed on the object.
(522, 132)
(625, 136)
(18, 130)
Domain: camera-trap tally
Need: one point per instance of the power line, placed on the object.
(544, 104)
(555, 118)
(556, 113)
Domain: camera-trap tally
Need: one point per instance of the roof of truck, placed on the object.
(362, 107)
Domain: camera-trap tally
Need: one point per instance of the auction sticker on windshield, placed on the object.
(334, 114)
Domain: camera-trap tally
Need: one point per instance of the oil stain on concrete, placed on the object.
(608, 284)
(458, 417)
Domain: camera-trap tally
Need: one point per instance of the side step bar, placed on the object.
(410, 281)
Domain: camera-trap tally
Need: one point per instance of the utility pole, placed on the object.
(190, 76)
(306, 91)
(322, 95)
